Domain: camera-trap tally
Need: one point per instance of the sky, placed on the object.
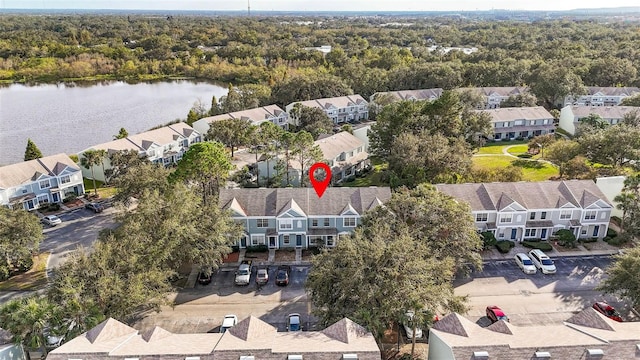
(310, 5)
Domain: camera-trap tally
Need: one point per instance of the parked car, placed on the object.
(525, 264)
(607, 310)
(495, 314)
(262, 276)
(51, 220)
(243, 275)
(542, 261)
(408, 327)
(204, 277)
(95, 207)
(282, 275)
(294, 322)
(228, 322)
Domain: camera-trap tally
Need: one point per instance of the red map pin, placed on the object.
(320, 185)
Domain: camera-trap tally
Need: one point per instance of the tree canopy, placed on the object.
(20, 237)
(312, 120)
(32, 152)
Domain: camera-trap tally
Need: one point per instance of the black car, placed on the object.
(204, 278)
(95, 207)
(282, 275)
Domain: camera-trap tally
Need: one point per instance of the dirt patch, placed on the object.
(232, 258)
(260, 256)
(285, 255)
(74, 204)
(598, 245)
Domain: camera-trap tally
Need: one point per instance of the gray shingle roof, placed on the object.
(22, 172)
(531, 195)
(605, 112)
(271, 202)
(613, 91)
(519, 113)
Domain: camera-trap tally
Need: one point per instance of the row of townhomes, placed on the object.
(586, 335)
(571, 115)
(520, 122)
(341, 109)
(256, 116)
(31, 184)
(602, 96)
(296, 217)
(165, 145)
(345, 153)
(250, 339)
(535, 210)
(493, 96)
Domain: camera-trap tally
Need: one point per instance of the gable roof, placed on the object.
(334, 145)
(518, 113)
(255, 115)
(251, 328)
(27, 171)
(420, 94)
(108, 330)
(612, 91)
(143, 141)
(338, 102)
(605, 112)
(503, 91)
(532, 195)
(345, 331)
(269, 202)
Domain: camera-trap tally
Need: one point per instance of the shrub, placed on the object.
(488, 239)
(566, 238)
(257, 248)
(542, 245)
(4, 272)
(616, 241)
(504, 246)
(525, 156)
(24, 264)
(589, 240)
(53, 207)
(611, 233)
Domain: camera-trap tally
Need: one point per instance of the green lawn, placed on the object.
(373, 178)
(496, 147)
(34, 279)
(531, 170)
(103, 192)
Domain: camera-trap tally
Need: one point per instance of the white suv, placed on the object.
(542, 261)
(525, 263)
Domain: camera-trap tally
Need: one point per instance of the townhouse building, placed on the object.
(31, 184)
(411, 95)
(250, 339)
(494, 96)
(535, 210)
(165, 145)
(257, 116)
(297, 217)
(602, 96)
(571, 115)
(524, 122)
(340, 109)
(345, 154)
(586, 335)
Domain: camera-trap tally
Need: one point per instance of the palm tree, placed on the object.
(91, 158)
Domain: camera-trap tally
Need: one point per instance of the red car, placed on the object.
(494, 314)
(607, 310)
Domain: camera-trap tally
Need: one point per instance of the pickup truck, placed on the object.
(243, 274)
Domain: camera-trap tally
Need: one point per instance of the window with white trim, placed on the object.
(314, 239)
(257, 239)
(349, 222)
(543, 215)
(262, 223)
(326, 222)
(590, 215)
(330, 241)
(532, 216)
(42, 199)
(285, 239)
(65, 179)
(45, 184)
(506, 218)
(530, 232)
(286, 224)
(565, 214)
(501, 233)
(314, 222)
(482, 217)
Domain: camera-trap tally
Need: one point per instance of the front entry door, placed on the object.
(514, 233)
(543, 234)
(596, 230)
(243, 242)
(298, 240)
(272, 242)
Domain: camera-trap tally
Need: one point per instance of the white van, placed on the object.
(542, 261)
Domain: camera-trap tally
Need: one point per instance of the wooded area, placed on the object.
(550, 56)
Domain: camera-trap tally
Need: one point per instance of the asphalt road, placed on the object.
(79, 227)
(538, 299)
(202, 308)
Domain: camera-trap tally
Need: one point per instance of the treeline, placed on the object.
(366, 57)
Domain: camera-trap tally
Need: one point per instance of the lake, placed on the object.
(68, 118)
